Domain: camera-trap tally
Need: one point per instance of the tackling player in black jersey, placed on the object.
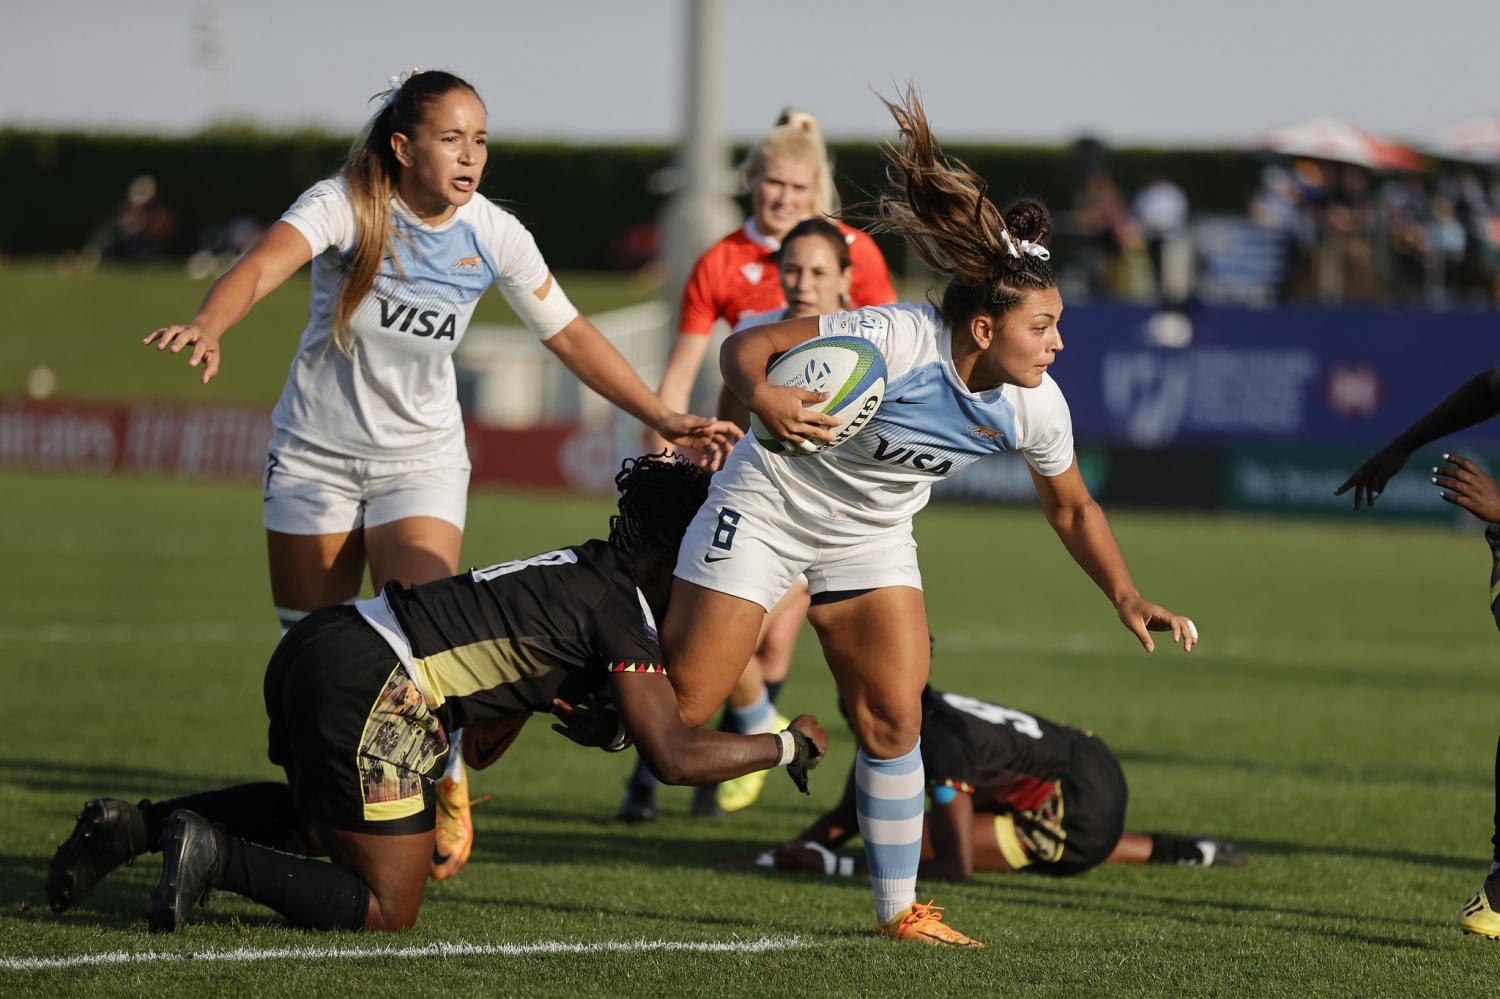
(361, 699)
(1010, 791)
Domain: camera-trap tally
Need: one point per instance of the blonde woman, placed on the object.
(367, 464)
(789, 180)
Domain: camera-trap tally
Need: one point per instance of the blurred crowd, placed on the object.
(1312, 232)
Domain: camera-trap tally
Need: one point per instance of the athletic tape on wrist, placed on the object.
(788, 747)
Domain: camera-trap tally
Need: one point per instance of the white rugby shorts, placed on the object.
(746, 543)
(310, 490)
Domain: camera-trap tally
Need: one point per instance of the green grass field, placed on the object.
(1335, 722)
(88, 329)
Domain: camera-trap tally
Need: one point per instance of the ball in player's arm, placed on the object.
(790, 180)
(361, 700)
(1010, 791)
(1463, 483)
(966, 379)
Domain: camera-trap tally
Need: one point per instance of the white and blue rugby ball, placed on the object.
(849, 368)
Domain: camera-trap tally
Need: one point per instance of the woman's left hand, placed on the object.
(712, 439)
(1465, 484)
(1143, 617)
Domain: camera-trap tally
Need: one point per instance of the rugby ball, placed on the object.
(849, 368)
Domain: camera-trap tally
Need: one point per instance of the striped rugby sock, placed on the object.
(889, 800)
(757, 718)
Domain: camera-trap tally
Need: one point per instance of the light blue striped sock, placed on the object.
(889, 799)
(757, 718)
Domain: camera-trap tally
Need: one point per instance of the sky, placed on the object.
(1150, 71)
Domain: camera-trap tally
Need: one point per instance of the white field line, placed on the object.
(459, 949)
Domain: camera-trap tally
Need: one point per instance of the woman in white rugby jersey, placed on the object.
(367, 463)
(815, 272)
(966, 379)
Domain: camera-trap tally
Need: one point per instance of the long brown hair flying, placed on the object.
(939, 206)
(372, 173)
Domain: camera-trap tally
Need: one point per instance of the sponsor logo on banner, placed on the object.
(1157, 396)
(1354, 390)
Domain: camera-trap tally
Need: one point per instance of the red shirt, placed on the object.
(737, 277)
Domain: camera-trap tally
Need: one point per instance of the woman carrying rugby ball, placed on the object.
(966, 378)
(367, 462)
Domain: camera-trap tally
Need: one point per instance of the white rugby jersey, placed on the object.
(399, 395)
(930, 426)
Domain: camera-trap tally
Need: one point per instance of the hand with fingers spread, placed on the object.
(1465, 484)
(1369, 480)
(204, 341)
(783, 411)
(1143, 617)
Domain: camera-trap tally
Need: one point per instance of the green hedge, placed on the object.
(576, 198)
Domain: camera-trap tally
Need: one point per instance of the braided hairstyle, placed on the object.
(659, 495)
(938, 205)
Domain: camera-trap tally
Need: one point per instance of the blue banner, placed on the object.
(1145, 378)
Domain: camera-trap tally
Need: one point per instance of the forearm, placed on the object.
(1473, 402)
(683, 364)
(701, 756)
(1084, 532)
(585, 352)
(743, 361)
(231, 298)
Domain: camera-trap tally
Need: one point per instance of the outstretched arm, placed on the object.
(1085, 533)
(1475, 401)
(596, 362)
(275, 257)
(677, 754)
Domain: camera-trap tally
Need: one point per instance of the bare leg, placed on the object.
(394, 868)
(707, 639)
(413, 550)
(309, 571)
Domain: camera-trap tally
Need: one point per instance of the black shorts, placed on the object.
(1080, 825)
(360, 748)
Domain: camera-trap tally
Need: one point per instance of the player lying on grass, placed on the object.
(1010, 791)
(361, 700)
(1465, 484)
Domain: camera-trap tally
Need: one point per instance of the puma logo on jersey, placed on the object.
(993, 436)
(392, 314)
(922, 461)
(467, 263)
(753, 272)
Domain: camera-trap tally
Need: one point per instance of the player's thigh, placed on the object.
(778, 636)
(309, 571)
(394, 868)
(707, 639)
(876, 645)
(313, 513)
(412, 550)
(414, 517)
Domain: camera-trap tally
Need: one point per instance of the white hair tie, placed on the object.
(1026, 246)
(394, 85)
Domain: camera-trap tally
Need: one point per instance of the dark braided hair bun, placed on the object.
(1028, 219)
(659, 496)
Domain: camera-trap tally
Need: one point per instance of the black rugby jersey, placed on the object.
(510, 635)
(996, 752)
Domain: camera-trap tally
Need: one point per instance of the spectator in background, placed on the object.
(139, 229)
(1402, 211)
(1100, 211)
(1160, 210)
